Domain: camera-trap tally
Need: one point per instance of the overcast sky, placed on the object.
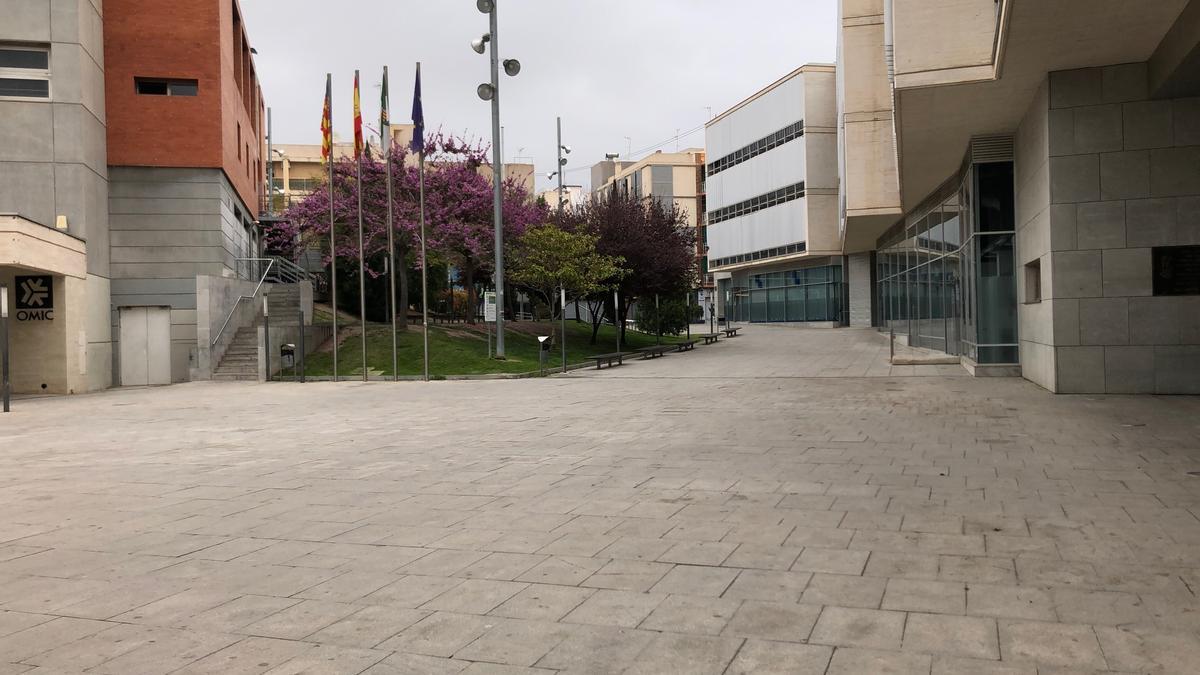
(612, 69)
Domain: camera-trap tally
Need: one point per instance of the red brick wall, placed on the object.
(190, 40)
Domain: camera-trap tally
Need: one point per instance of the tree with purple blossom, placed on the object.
(458, 201)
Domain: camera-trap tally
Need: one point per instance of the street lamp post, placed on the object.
(270, 168)
(491, 92)
(562, 162)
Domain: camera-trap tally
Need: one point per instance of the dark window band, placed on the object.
(789, 133)
(798, 247)
(766, 201)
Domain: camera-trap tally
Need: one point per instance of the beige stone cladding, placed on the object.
(1105, 175)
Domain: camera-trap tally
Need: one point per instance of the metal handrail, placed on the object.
(270, 264)
(289, 272)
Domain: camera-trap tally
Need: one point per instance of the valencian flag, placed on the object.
(327, 121)
(418, 118)
(385, 124)
(358, 133)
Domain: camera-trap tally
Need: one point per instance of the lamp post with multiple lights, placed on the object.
(562, 162)
(491, 92)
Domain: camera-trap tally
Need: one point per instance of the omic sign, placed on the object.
(35, 298)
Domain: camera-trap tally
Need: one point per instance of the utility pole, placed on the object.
(497, 179)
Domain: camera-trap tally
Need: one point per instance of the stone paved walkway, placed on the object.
(739, 509)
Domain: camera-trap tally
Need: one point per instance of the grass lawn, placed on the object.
(458, 349)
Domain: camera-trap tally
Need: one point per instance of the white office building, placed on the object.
(772, 215)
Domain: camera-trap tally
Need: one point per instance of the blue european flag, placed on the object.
(418, 118)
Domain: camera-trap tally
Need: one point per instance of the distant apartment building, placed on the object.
(112, 214)
(674, 179)
(297, 169)
(572, 196)
(772, 203)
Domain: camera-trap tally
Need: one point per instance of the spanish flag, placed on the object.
(358, 131)
(327, 121)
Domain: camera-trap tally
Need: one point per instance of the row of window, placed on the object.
(25, 73)
(789, 133)
(797, 277)
(296, 184)
(798, 247)
(812, 294)
(765, 201)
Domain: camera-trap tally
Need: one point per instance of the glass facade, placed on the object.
(946, 276)
(806, 294)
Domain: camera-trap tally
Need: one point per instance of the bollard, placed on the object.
(267, 337)
(891, 345)
(301, 357)
(5, 389)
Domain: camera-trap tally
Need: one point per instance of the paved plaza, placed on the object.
(782, 502)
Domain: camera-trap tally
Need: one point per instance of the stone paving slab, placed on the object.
(778, 503)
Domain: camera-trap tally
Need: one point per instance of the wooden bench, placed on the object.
(686, 346)
(655, 351)
(710, 338)
(608, 359)
(731, 332)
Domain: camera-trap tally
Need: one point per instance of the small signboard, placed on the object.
(489, 306)
(34, 299)
(1176, 270)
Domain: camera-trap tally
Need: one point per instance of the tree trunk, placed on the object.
(469, 287)
(621, 315)
(597, 317)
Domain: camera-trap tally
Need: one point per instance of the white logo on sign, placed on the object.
(35, 293)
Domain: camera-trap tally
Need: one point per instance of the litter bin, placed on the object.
(287, 358)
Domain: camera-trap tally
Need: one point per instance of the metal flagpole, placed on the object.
(424, 267)
(424, 260)
(332, 247)
(385, 130)
(362, 272)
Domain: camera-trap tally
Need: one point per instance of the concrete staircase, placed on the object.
(240, 361)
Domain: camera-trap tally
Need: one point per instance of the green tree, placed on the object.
(671, 316)
(547, 258)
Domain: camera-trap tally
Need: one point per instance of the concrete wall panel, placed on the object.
(25, 20)
(1122, 183)
(27, 134)
(27, 188)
